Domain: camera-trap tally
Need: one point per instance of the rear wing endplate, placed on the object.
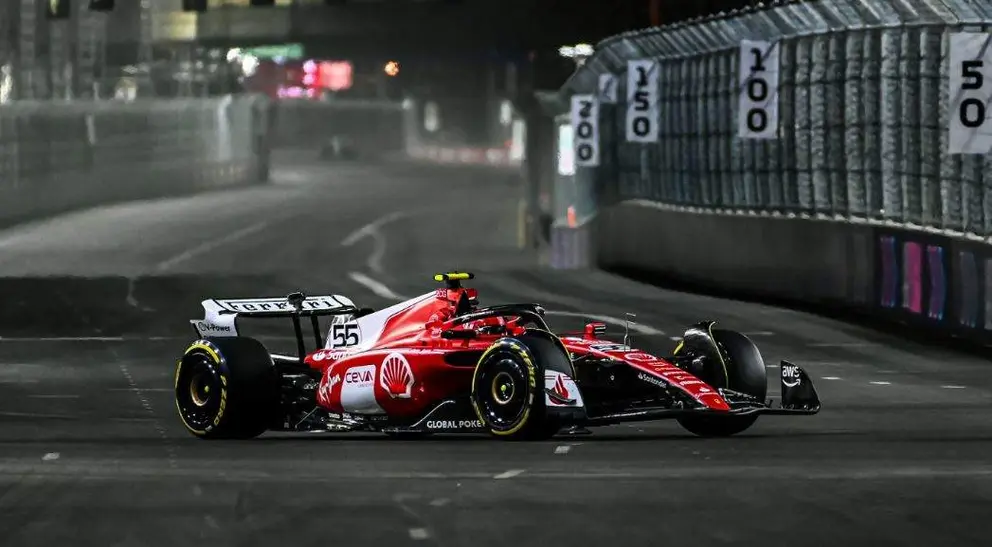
(221, 316)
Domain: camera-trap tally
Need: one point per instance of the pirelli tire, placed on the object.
(746, 373)
(226, 388)
(508, 387)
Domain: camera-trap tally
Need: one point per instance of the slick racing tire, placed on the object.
(745, 373)
(226, 388)
(508, 387)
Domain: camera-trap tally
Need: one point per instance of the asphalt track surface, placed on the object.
(92, 454)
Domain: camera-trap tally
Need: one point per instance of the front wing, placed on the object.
(798, 398)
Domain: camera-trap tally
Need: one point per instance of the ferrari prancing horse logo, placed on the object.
(396, 376)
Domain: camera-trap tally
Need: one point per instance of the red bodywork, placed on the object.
(398, 368)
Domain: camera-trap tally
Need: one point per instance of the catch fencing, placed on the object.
(859, 103)
(828, 152)
(57, 156)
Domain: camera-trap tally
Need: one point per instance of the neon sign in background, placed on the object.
(912, 279)
(890, 272)
(968, 295)
(938, 282)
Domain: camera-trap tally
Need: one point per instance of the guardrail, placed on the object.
(832, 151)
(57, 156)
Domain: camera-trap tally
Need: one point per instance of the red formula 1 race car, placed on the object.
(439, 363)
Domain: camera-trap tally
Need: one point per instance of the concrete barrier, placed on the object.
(56, 157)
(932, 282)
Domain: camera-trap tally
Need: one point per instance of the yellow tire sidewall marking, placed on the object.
(531, 381)
(214, 353)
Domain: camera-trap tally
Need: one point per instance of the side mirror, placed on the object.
(362, 312)
(595, 330)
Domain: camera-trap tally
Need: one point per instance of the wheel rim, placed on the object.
(506, 400)
(198, 391)
(503, 388)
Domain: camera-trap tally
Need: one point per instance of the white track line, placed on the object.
(212, 244)
(508, 474)
(953, 387)
(370, 228)
(376, 287)
(419, 533)
(880, 383)
(374, 230)
(636, 327)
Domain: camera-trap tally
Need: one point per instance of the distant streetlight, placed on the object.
(392, 68)
(578, 53)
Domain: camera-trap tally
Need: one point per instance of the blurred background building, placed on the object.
(469, 65)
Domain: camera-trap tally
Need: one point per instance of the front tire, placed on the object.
(508, 388)
(226, 388)
(745, 373)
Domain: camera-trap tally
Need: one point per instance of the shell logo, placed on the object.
(397, 376)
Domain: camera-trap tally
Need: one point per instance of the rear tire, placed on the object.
(508, 388)
(226, 388)
(745, 373)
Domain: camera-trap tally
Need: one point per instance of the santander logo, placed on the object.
(397, 376)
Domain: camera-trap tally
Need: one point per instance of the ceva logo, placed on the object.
(356, 376)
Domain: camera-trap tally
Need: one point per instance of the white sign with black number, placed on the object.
(607, 89)
(642, 101)
(757, 116)
(585, 127)
(970, 93)
(343, 335)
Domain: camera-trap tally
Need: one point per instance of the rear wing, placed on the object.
(221, 317)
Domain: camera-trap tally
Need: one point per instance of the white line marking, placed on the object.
(145, 389)
(212, 244)
(675, 338)
(831, 377)
(51, 456)
(371, 228)
(374, 230)
(419, 533)
(509, 474)
(377, 288)
(953, 387)
(440, 502)
(562, 449)
(636, 327)
(53, 396)
(880, 383)
(759, 333)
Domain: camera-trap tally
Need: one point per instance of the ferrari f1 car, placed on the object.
(439, 363)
